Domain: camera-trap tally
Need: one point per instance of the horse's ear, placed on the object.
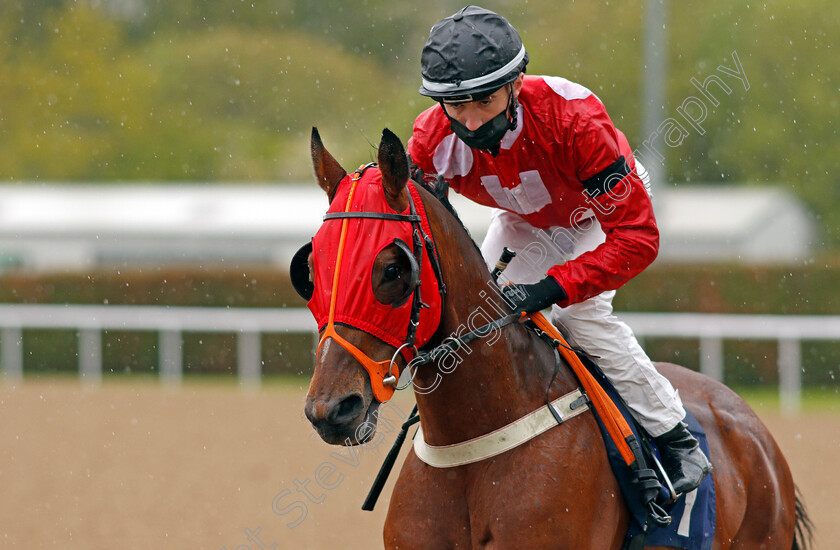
(328, 171)
(394, 167)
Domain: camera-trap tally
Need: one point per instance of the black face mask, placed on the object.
(489, 135)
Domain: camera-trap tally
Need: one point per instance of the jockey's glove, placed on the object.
(535, 297)
(414, 172)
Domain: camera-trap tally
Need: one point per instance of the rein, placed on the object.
(454, 343)
(449, 345)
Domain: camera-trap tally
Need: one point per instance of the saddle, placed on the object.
(691, 516)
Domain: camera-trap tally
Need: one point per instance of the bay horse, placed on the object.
(555, 490)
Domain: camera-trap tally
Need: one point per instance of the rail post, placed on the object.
(249, 358)
(711, 357)
(171, 356)
(12, 353)
(90, 355)
(790, 375)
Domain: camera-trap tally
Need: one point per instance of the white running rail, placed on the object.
(250, 323)
(170, 322)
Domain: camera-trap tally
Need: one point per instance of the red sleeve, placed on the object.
(595, 144)
(418, 144)
(622, 206)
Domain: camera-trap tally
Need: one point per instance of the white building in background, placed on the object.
(73, 226)
(728, 223)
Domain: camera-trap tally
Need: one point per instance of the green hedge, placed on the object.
(804, 289)
(212, 287)
(807, 289)
(50, 351)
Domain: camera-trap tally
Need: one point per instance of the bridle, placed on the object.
(383, 374)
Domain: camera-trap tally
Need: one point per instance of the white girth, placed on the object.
(501, 440)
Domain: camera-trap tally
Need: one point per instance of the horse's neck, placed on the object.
(495, 379)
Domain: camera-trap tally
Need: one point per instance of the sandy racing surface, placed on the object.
(136, 465)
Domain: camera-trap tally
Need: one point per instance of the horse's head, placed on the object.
(361, 275)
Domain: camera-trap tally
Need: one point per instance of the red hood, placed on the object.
(356, 305)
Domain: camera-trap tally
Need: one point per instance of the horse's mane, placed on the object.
(439, 189)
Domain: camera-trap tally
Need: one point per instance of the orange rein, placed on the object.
(615, 423)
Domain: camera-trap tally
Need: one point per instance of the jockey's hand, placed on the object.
(535, 297)
(415, 172)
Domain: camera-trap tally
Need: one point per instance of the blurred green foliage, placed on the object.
(210, 90)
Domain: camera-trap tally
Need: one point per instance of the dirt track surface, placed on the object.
(141, 466)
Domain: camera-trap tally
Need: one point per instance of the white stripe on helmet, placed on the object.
(467, 85)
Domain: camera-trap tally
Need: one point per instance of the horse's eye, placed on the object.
(391, 273)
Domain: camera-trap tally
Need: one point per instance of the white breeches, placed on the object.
(590, 324)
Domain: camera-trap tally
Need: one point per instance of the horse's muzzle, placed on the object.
(337, 420)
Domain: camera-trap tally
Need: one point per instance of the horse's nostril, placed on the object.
(347, 410)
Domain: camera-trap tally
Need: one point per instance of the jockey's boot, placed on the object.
(682, 458)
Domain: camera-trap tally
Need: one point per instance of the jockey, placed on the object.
(568, 196)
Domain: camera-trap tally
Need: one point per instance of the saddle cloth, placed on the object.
(692, 515)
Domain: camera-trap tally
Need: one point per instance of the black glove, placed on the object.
(535, 297)
(415, 172)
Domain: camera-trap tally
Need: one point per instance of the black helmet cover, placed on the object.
(469, 55)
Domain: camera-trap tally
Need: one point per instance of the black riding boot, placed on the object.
(682, 458)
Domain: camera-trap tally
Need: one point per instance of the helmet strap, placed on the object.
(513, 105)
